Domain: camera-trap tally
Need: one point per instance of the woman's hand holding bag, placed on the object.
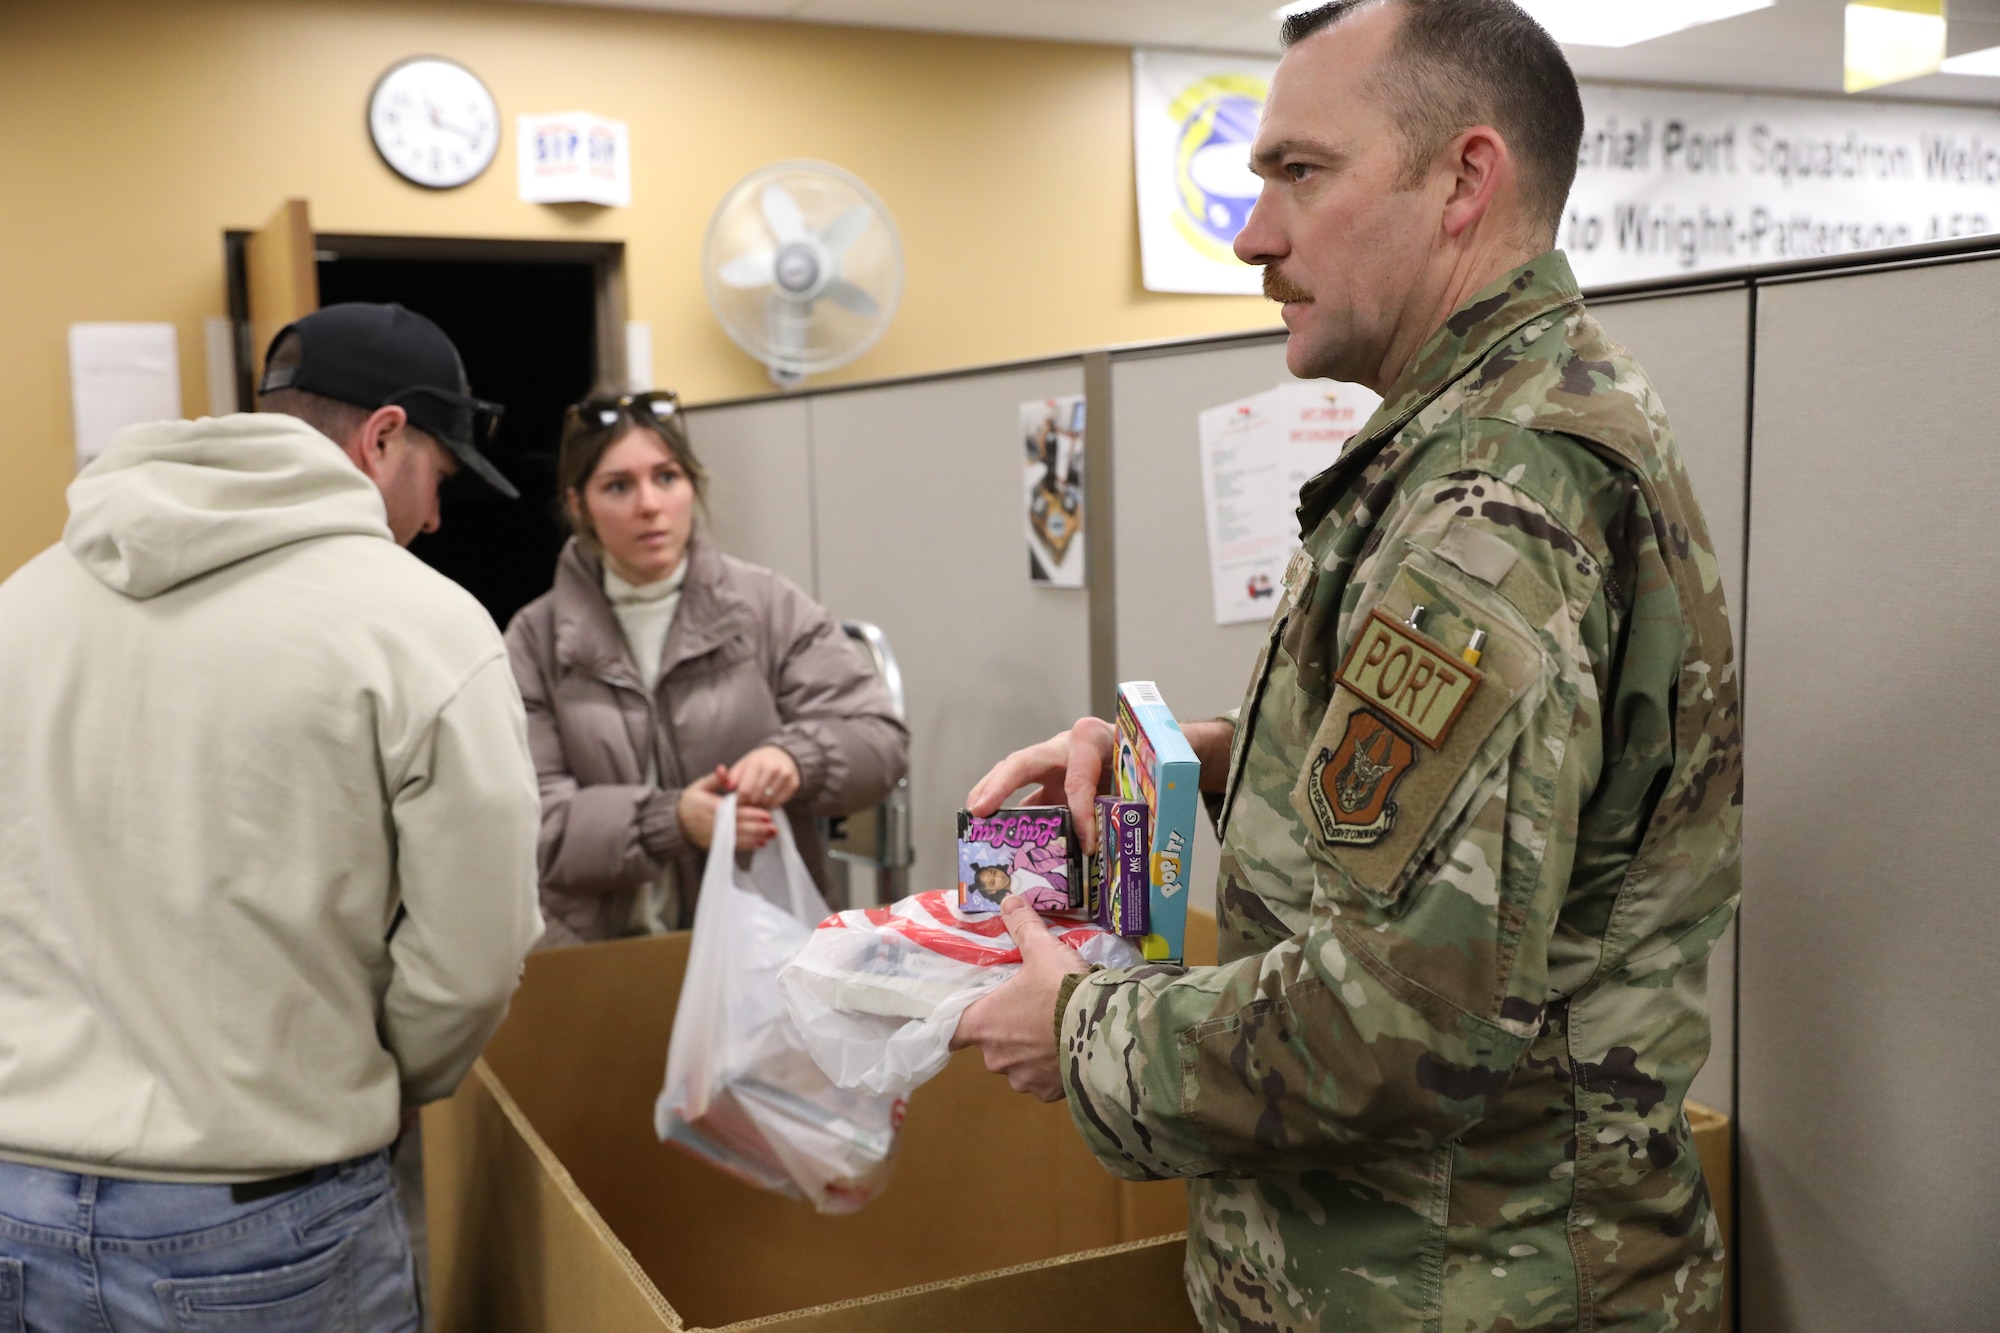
(701, 802)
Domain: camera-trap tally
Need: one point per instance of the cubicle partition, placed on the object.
(900, 504)
(1696, 349)
(1837, 420)
(1869, 1057)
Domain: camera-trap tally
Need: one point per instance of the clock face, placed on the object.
(434, 122)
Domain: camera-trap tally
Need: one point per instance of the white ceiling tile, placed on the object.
(1795, 46)
(1116, 21)
(748, 9)
(1257, 34)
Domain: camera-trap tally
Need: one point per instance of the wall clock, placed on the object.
(434, 122)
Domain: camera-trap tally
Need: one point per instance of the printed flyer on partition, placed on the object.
(1256, 454)
(1052, 489)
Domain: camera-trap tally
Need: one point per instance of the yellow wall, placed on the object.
(138, 131)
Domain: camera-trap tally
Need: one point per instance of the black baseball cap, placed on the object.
(387, 356)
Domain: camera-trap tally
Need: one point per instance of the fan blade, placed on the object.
(748, 271)
(850, 297)
(846, 229)
(781, 212)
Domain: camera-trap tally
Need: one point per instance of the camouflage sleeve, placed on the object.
(1418, 868)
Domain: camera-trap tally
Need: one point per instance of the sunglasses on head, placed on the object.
(604, 410)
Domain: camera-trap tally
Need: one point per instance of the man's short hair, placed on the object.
(1459, 63)
(329, 416)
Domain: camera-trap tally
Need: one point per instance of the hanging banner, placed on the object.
(1256, 454)
(1193, 117)
(1680, 182)
(1667, 181)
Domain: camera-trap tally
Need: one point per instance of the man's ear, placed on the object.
(368, 446)
(1481, 166)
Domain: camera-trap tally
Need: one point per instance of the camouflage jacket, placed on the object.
(1479, 836)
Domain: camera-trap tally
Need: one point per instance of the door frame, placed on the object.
(606, 259)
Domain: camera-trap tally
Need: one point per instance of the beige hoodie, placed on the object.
(240, 728)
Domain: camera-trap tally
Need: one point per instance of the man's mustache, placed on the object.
(1279, 288)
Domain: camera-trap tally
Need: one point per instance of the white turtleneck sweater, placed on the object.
(645, 613)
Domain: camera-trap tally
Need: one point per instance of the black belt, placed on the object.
(250, 1191)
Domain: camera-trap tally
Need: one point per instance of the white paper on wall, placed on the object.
(638, 356)
(219, 346)
(1052, 489)
(119, 375)
(1256, 454)
(573, 157)
(1193, 119)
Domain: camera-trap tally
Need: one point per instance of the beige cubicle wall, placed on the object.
(758, 455)
(1695, 347)
(1871, 922)
(1166, 630)
(900, 504)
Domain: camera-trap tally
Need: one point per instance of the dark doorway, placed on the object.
(531, 332)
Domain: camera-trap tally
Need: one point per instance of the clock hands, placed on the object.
(438, 120)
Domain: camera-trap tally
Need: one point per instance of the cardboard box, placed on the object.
(1714, 1141)
(553, 1209)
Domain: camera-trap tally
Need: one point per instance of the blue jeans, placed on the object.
(93, 1254)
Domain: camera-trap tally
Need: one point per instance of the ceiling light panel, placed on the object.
(1628, 22)
(1893, 40)
(1984, 63)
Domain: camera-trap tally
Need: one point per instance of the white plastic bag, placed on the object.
(741, 1091)
(877, 994)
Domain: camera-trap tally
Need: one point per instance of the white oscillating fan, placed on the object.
(803, 268)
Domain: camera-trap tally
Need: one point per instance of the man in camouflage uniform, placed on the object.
(1479, 811)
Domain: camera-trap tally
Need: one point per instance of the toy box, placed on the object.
(1156, 765)
(1119, 884)
(1030, 850)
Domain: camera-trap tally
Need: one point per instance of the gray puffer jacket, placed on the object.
(750, 661)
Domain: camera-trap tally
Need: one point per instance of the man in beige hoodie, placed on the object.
(267, 850)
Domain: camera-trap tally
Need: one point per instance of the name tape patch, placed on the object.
(1412, 680)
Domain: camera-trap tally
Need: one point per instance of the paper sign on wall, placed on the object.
(120, 375)
(573, 157)
(1193, 119)
(1256, 453)
(1052, 489)
(638, 355)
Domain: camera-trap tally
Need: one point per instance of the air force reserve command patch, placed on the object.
(1354, 786)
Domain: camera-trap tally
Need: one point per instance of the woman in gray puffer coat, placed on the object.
(660, 674)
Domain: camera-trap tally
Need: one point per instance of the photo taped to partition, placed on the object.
(1052, 439)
